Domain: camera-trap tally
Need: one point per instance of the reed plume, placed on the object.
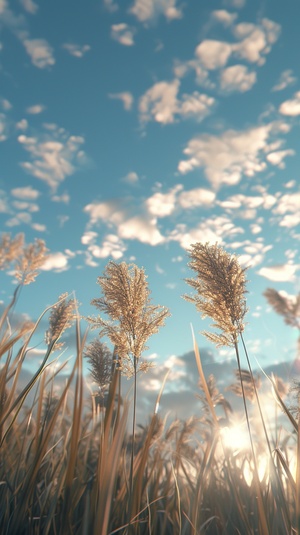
(133, 319)
(61, 318)
(101, 364)
(220, 284)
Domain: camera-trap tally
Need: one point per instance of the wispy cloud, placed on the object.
(286, 79)
(123, 34)
(30, 6)
(78, 51)
(125, 97)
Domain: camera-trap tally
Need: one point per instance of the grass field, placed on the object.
(72, 464)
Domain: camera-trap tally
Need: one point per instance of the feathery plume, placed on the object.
(61, 318)
(286, 306)
(10, 249)
(30, 261)
(220, 284)
(101, 361)
(250, 383)
(133, 319)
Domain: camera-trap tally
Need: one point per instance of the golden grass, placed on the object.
(65, 460)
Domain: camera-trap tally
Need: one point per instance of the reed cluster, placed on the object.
(72, 463)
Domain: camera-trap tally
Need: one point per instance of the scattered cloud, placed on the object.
(279, 273)
(142, 228)
(3, 127)
(147, 10)
(213, 54)
(286, 79)
(160, 103)
(29, 6)
(111, 246)
(40, 52)
(237, 78)
(53, 156)
(110, 5)
(291, 107)
(196, 197)
(163, 204)
(277, 157)
(131, 178)
(255, 40)
(212, 230)
(226, 158)
(35, 109)
(125, 97)
(56, 262)
(78, 51)
(123, 34)
(224, 17)
(237, 4)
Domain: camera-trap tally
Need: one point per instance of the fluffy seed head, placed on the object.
(220, 284)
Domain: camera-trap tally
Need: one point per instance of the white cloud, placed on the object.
(35, 109)
(213, 54)
(142, 228)
(279, 273)
(24, 205)
(210, 230)
(291, 107)
(78, 51)
(110, 5)
(6, 105)
(40, 51)
(64, 198)
(123, 34)
(111, 246)
(39, 227)
(224, 17)
(196, 105)
(55, 262)
(227, 157)
(237, 78)
(289, 202)
(163, 204)
(53, 157)
(113, 213)
(29, 6)
(238, 4)
(160, 103)
(3, 127)
(286, 79)
(196, 197)
(131, 178)
(125, 97)
(256, 40)
(146, 10)
(277, 157)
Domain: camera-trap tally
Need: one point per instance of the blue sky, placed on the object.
(131, 129)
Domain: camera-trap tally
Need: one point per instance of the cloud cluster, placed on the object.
(233, 154)
(54, 155)
(147, 10)
(161, 104)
